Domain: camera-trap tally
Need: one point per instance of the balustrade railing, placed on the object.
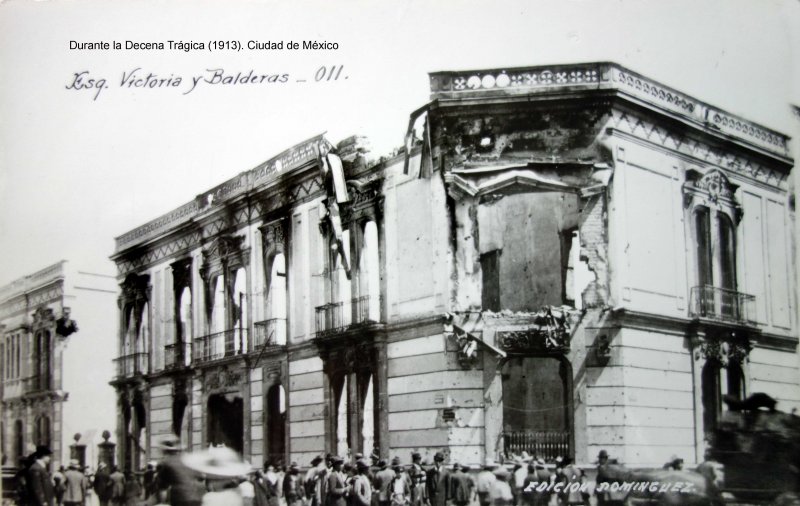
(545, 444)
(722, 304)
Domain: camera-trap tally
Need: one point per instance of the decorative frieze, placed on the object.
(549, 332)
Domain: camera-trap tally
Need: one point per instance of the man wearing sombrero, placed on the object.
(175, 479)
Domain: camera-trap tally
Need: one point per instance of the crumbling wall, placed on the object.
(594, 250)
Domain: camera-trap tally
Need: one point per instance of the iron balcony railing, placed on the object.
(548, 445)
(37, 383)
(339, 316)
(131, 365)
(175, 355)
(219, 345)
(722, 304)
(270, 332)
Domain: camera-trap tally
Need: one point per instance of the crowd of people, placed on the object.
(218, 476)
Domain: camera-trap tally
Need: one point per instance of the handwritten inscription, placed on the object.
(137, 78)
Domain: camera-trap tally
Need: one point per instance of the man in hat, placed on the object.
(568, 475)
(500, 491)
(75, 491)
(310, 481)
(383, 479)
(485, 480)
(175, 478)
(438, 481)
(399, 487)
(537, 474)
(605, 498)
(102, 484)
(40, 487)
(293, 489)
(417, 477)
(337, 489)
(461, 486)
(361, 493)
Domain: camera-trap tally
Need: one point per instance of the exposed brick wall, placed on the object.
(594, 249)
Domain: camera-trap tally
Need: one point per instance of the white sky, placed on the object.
(77, 172)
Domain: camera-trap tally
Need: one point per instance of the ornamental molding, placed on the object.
(265, 173)
(724, 352)
(644, 129)
(589, 77)
(550, 333)
(223, 379)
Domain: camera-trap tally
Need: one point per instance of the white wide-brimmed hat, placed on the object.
(220, 461)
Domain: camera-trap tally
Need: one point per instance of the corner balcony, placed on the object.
(337, 317)
(722, 305)
(218, 345)
(131, 365)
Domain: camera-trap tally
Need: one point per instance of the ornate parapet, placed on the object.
(523, 81)
(549, 332)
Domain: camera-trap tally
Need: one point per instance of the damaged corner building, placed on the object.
(562, 259)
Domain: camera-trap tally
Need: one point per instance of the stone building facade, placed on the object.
(55, 355)
(563, 259)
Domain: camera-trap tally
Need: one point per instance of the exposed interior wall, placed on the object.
(531, 231)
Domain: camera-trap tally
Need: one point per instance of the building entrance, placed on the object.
(226, 421)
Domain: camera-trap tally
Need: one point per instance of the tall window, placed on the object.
(713, 213)
(43, 359)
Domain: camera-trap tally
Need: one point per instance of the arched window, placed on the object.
(714, 213)
(276, 422)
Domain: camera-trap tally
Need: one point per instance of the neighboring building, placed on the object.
(574, 258)
(56, 360)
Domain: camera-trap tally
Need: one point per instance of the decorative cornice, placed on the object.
(267, 172)
(747, 167)
(494, 83)
(549, 333)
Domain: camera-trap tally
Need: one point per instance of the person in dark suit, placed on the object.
(102, 484)
(40, 487)
(438, 482)
(337, 488)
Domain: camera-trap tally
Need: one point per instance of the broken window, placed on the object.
(275, 329)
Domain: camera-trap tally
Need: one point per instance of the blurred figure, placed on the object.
(133, 490)
(500, 491)
(59, 485)
(40, 487)
(74, 485)
(102, 484)
(174, 480)
(461, 486)
(117, 485)
(485, 480)
(223, 469)
(293, 487)
(675, 463)
(381, 482)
